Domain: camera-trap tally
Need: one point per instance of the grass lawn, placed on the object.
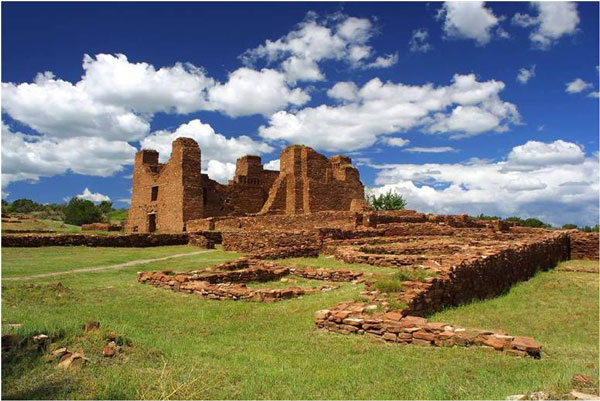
(183, 346)
(24, 261)
(42, 224)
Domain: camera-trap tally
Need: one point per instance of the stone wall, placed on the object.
(489, 275)
(584, 245)
(128, 241)
(393, 327)
(310, 182)
(258, 241)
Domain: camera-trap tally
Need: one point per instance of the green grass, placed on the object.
(118, 216)
(182, 346)
(42, 224)
(25, 261)
(588, 264)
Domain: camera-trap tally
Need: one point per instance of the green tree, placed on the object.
(24, 205)
(387, 201)
(569, 226)
(81, 211)
(105, 207)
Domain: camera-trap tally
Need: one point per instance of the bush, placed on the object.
(388, 201)
(569, 226)
(81, 211)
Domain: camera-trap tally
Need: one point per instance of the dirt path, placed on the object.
(100, 268)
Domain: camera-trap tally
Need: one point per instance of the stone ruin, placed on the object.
(167, 196)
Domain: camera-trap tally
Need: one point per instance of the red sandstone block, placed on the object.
(420, 342)
(395, 316)
(423, 335)
(389, 337)
(527, 344)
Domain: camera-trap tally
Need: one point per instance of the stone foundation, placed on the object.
(393, 327)
(125, 241)
(100, 227)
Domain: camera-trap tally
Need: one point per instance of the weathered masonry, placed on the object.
(165, 196)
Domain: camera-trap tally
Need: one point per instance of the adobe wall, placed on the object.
(179, 184)
(310, 182)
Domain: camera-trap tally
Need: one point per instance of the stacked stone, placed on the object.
(327, 274)
(220, 286)
(128, 241)
(394, 327)
(258, 241)
(282, 253)
(201, 241)
(584, 245)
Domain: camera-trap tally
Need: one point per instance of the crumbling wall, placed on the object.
(584, 245)
(309, 182)
(127, 241)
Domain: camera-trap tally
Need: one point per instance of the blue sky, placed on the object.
(463, 108)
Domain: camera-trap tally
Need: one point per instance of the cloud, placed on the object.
(525, 74)
(418, 41)
(250, 92)
(383, 61)
(336, 37)
(395, 141)
(595, 94)
(577, 85)
(440, 149)
(554, 20)
(465, 107)
(113, 80)
(544, 190)
(95, 197)
(343, 91)
(273, 165)
(534, 154)
(220, 172)
(468, 20)
(214, 146)
(60, 109)
(29, 157)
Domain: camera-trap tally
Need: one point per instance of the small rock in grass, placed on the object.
(516, 397)
(583, 396)
(91, 326)
(110, 350)
(40, 338)
(539, 395)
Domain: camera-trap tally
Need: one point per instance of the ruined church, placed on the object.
(167, 196)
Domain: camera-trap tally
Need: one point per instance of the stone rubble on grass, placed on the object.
(577, 395)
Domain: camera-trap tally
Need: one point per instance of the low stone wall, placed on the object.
(125, 241)
(289, 252)
(307, 221)
(584, 245)
(229, 284)
(337, 275)
(393, 327)
(201, 241)
(100, 227)
(487, 275)
(259, 241)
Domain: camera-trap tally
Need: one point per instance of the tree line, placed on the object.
(76, 212)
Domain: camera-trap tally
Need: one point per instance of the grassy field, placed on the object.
(42, 224)
(185, 347)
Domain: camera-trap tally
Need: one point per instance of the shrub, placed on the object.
(81, 211)
(387, 201)
(569, 226)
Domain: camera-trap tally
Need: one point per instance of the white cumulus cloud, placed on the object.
(554, 19)
(525, 74)
(213, 146)
(466, 107)
(29, 157)
(577, 85)
(558, 184)
(419, 41)
(468, 20)
(95, 197)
